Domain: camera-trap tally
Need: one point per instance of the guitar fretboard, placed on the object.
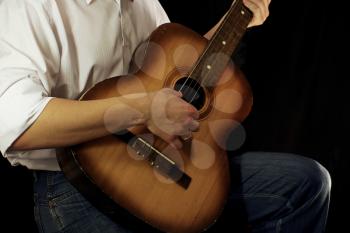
(223, 43)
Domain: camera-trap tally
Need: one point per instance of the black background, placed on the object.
(296, 65)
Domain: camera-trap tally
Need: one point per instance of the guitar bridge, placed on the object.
(156, 159)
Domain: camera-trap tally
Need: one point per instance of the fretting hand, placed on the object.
(260, 9)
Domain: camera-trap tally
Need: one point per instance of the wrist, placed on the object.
(139, 107)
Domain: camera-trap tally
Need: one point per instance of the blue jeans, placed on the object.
(270, 192)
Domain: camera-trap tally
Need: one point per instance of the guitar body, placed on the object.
(132, 182)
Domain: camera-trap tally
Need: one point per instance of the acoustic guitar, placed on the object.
(172, 190)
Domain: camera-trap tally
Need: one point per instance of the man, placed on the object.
(52, 51)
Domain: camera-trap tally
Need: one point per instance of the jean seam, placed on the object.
(55, 216)
(242, 196)
(61, 197)
(50, 198)
(49, 185)
(278, 224)
(281, 221)
(37, 215)
(287, 218)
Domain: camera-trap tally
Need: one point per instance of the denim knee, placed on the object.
(284, 174)
(314, 179)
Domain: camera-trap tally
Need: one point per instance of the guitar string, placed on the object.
(207, 76)
(216, 35)
(207, 48)
(231, 39)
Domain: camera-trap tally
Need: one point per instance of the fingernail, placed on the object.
(177, 145)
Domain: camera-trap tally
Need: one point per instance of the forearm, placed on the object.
(211, 32)
(68, 122)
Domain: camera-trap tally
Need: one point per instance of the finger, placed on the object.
(266, 2)
(178, 93)
(176, 143)
(174, 92)
(173, 141)
(254, 8)
(162, 134)
(263, 6)
(259, 9)
(194, 126)
(186, 137)
(190, 125)
(193, 112)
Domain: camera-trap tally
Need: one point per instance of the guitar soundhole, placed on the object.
(192, 91)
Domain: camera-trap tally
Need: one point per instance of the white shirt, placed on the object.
(61, 48)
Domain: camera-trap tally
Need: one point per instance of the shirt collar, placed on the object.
(90, 1)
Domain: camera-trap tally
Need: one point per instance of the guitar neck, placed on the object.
(221, 46)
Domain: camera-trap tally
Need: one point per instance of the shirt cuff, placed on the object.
(12, 134)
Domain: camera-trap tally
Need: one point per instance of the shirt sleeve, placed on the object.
(29, 63)
(162, 16)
